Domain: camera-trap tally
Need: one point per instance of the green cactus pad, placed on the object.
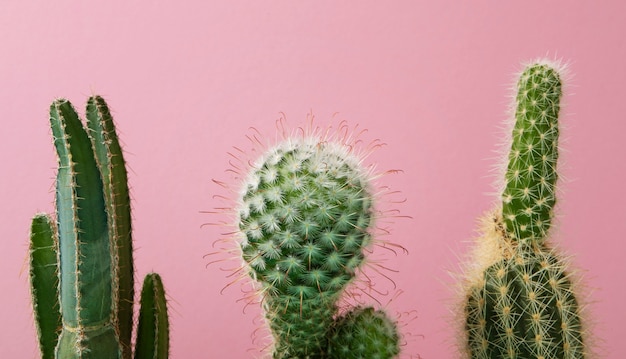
(525, 308)
(304, 215)
(529, 196)
(364, 333)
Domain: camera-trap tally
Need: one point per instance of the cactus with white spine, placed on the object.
(81, 263)
(304, 215)
(520, 302)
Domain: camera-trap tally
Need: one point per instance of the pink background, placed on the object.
(429, 78)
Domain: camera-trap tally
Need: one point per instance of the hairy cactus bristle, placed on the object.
(522, 304)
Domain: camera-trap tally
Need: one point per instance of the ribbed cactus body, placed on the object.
(44, 282)
(524, 307)
(364, 333)
(110, 159)
(153, 327)
(523, 304)
(81, 268)
(304, 214)
(86, 264)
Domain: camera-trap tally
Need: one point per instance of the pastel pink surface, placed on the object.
(431, 79)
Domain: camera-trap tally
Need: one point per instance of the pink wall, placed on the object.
(430, 79)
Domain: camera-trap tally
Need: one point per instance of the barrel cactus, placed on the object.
(520, 301)
(305, 214)
(81, 266)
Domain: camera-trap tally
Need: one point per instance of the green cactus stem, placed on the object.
(91, 262)
(523, 305)
(153, 327)
(114, 177)
(304, 214)
(86, 265)
(44, 278)
(529, 196)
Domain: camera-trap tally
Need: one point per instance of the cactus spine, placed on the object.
(522, 304)
(304, 215)
(87, 252)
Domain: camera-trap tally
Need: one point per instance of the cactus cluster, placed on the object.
(305, 214)
(81, 266)
(521, 303)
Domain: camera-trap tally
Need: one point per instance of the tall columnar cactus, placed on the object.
(81, 264)
(304, 215)
(520, 301)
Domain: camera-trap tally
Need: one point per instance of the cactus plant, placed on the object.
(364, 333)
(304, 215)
(520, 301)
(81, 263)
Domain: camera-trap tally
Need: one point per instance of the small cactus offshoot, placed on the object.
(364, 333)
(305, 214)
(520, 301)
(81, 268)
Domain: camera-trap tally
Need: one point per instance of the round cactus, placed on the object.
(364, 333)
(304, 214)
